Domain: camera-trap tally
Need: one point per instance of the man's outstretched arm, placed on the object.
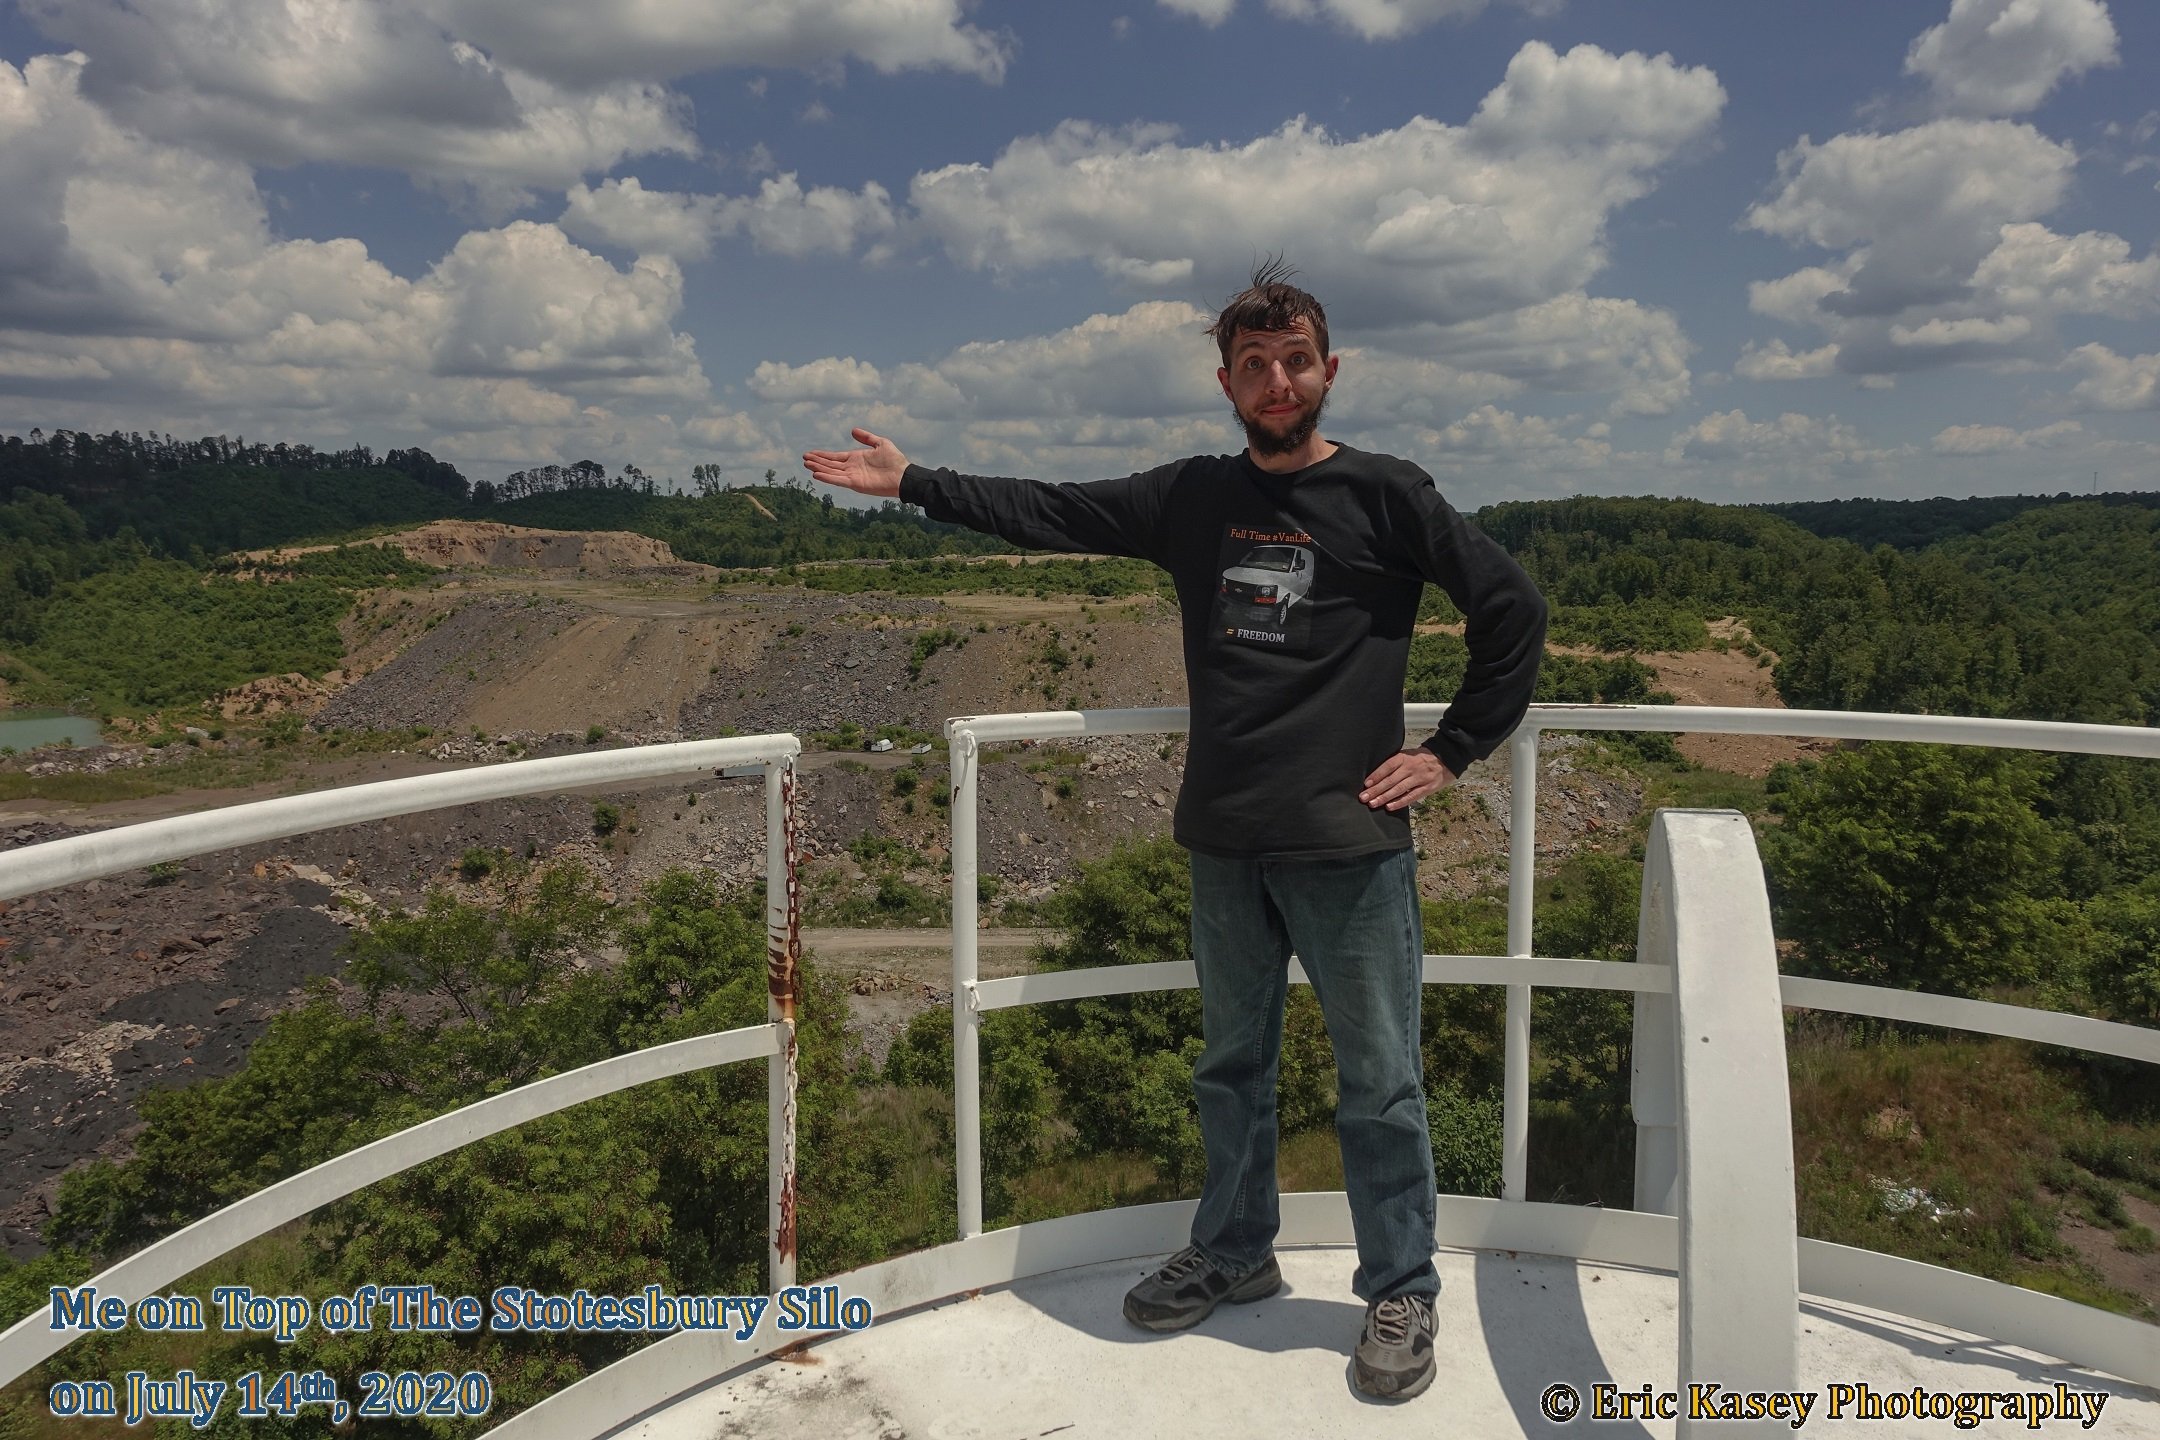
(1109, 517)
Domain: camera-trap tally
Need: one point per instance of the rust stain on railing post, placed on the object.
(783, 933)
(783, 951)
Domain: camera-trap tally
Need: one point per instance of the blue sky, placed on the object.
(1740, 252)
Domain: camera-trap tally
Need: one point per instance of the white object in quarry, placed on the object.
(1053, 1356)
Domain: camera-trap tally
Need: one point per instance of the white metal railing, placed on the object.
(1671, 978)
(1656, 1100)
(1519, 970)
(1706, 962)
(88, 857)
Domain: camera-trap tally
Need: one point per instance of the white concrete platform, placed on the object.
(1052, 1356)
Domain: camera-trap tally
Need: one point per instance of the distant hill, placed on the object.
(1917, 524)
(198, 499)
(205, 497)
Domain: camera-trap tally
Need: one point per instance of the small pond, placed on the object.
(28, 729)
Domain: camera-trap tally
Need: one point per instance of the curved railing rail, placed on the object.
(87, 857)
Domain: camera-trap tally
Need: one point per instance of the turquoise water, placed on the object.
(28, 729)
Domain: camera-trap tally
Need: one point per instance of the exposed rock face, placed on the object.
(462, 544)
(491, 545)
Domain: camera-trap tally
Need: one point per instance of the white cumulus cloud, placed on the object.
(622, 212)
(358, 82)
(2115, 382)
(832, 378)
(782, 218)
(2003, 439)
(1489, 434)
(1367, 19)
(524, 300)
(1151, 362)
(1425, 222)
(144, 283)
(1779, 361)
(1571, 344)
(1732, 436)
(1947, 186)
(492, 98)
(1945, 259)
(1207, 12)
(597, 41)
(2002, 57)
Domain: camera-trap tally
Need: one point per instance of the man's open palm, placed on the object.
(875, 471)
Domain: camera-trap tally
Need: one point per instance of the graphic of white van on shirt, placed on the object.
(1260, 590)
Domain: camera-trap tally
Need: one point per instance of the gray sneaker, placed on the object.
(1189, 1286)
(1395, 1353)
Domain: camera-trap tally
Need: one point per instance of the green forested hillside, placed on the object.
(1917, 524)
(199, 497)
(207, 510)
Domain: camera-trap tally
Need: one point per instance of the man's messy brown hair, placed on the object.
(1271, 302)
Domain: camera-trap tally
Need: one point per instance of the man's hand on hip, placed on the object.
(875, 471)
(1404, 779)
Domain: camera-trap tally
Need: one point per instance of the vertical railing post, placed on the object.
(1522, 896)
(967, 1021)
(1707, 913)
(783, 951)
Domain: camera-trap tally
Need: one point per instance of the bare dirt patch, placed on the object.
(1729, 677)
(2101, 1248)
(612, 670)
(487, 544)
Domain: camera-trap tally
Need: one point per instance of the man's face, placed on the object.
(1277, 383)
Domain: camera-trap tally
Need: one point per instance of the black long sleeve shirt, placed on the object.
(1299, 594)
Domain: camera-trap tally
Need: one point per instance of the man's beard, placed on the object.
(1268, 442)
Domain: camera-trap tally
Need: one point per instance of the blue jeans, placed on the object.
(1355, 925)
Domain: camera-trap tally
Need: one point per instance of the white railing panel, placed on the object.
(32, 868)
(85, 857)
(1522, 886)
(2130, 741)
(1982, 1017)
(149, 1270)
(2081, 1334)
(1046, 986)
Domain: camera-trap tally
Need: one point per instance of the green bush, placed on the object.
(605, 818)
(1917, 866)
(1465, 1133)
(927, 644)
(871, 848)
(158, 633)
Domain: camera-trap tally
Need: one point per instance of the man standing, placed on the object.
(1298, 565)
